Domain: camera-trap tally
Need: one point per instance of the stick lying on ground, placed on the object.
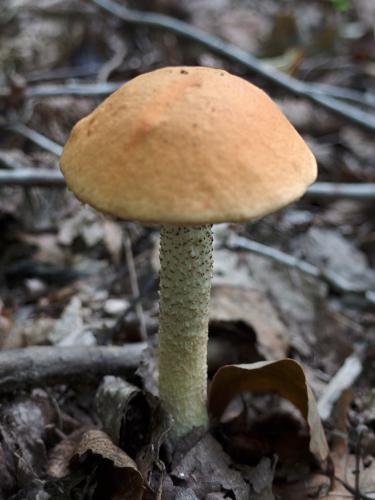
(33, 366)
(37, 138)
(106, 88)
(45, 365)
(334, 280)
(222, 48)
(342, 380)
(318, 191)
(73, 89)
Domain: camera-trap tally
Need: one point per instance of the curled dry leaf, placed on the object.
(23, 424)
(285, 378)
(255, 310)
(206, 469)
(137, 422)
(112, 400)
(123, 476)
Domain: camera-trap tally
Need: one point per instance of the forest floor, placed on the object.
(73, 279)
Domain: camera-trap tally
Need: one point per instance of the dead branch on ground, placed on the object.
(34, 177)
(336, 282)
(34, 366)
(351, 113)
(34, 136)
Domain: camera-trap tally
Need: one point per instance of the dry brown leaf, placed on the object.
(285, 378)
(46, 246)
(25, 332)
(314, 486)
(206, 468)
(319, 485)
(128, 478)
(229, 303)
(366, 480)
(137, 422)
(70, 329)
(61, 454)
(113, 398)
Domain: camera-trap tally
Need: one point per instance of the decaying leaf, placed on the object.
(314, 486)
(237, 297)
(112, 400)
(288, 301)
(70, 328)
(137, 422)
(27, 332)
(84, 224)
(230, 303)
(285, 378)
(46, 247)
(207, 469)
(260, 479)
(22, 448)
(329, 250)
(61, 454)
(121, 476)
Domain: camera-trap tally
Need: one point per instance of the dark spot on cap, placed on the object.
(222, 74)
(184, 72)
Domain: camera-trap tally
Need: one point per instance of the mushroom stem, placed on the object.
(185, 284)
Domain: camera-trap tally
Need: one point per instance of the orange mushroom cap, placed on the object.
(187, 145)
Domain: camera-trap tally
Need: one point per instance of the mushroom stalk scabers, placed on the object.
(186, 147)
(185, 284)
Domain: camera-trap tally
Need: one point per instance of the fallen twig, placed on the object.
(351, 191)
(358, 495)
(33, 366)
(351, 113)
(106, 88)
(134, 286)
(319, 191)
(361, 98)
(63, 73)
(120, 322)
(75, 89)
(361, 429)
(37, 138)
(335, 281)
(342, 380)
(32, 177)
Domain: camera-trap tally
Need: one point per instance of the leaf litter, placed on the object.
(63, 274)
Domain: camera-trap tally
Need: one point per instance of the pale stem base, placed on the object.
(185, 284)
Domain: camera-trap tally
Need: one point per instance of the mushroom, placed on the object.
(186, 147)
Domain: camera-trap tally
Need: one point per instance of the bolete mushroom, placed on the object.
(186, 147)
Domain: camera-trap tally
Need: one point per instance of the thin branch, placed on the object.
(134, 286)
(334, 280)
(33, 366)
(351, 113)
(32, 177)
(332, 190)
(353, 491)
(62, 73)
(348, 94)
(37, 138)
(120, 322)
(21, 176)
(106, 88)
(75, 89)
(342, 380)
